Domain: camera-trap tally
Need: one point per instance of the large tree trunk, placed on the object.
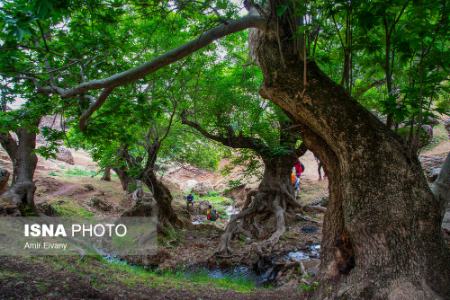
(24, 162)
(267, 207)
(166, 215)
(24, 168)
(381, 236)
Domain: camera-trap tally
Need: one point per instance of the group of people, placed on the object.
(297, 171)
(211, 213)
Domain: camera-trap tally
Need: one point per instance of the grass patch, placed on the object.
(77, 172)
(171, 239)
(6, 274)
(74, 172)
(69, 208)
(103, 273)
(140, 275)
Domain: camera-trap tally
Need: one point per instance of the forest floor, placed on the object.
(70, 190)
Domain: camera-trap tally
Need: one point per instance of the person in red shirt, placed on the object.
(299, 169)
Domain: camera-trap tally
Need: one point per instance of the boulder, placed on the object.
(8, 205)
(65, 155)
(100, 204)
(432, 165)
(4, 177)
(46, 208)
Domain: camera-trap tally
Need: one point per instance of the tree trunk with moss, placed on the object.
(381, 235)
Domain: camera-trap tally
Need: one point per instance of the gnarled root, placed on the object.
(265, 203)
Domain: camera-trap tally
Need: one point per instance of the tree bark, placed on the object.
(381, 236)
(166, 214)
(24, 162)
(124, 178)
(106, 174)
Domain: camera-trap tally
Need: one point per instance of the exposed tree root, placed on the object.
(253, 219)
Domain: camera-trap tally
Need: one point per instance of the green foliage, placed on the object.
(309, 287)
(234, 184)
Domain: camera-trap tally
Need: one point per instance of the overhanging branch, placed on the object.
(165, 59)
(230, 139)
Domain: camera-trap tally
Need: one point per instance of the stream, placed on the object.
(262, 273)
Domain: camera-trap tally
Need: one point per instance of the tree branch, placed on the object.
(93, 107)
(9, 144)
(170, 57)
(230, 140)
(361, 91)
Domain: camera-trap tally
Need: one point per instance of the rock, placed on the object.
(202, 189)
(8, 207)
(100, 204)
(446, 221)
(4, 176)
(434, 174)
(89, 187)
(447, 126)
(142, 208)
(65, 155)
(312, 266)
(46, 209)
(431, 165)
(239, 193)
(324, 201)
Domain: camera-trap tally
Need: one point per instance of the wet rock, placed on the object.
(65, 155)
(100, 204)
(4, 176)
